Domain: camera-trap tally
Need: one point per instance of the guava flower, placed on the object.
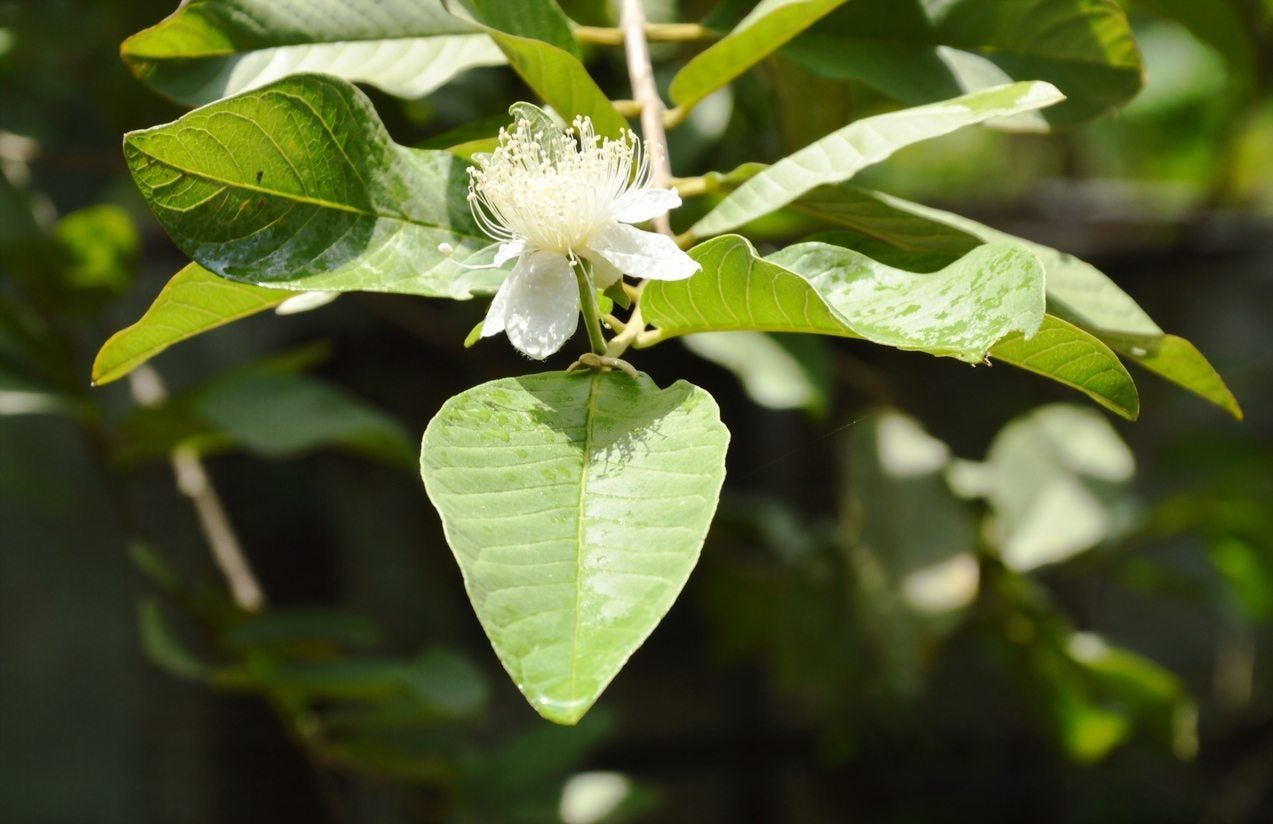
(553, 199)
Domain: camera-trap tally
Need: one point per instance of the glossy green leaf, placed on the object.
(1180, 362)
(297, 185)
(842, 154)
(193, 302)
(576, 506)
(961, 311)
(557, 76)
(819, 289)
(921, 238)
(920, 52)
(210, 49)
(1066, 354)
(539, 19)
(771, 24)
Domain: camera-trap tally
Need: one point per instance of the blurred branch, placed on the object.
(646, 93)
(193, 482)
(655, 32)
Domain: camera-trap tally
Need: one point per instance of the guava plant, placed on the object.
(576, 501)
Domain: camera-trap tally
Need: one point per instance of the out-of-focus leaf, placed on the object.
(1224, 25)
(193, 302)
(843, 153)
(281, 629)
(164, 648)
(920, 52)
(771, 374)
(576, 506)
(1058, 485)
(910, 540)
(771, 24)
(101, 246)
(297, 185)
(1249, 572)
(210, 49)
(280, 416)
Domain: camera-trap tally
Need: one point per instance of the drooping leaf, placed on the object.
(576, 506)
(842, 154)
(193, 302)
(962, 310)
(920, 52)
(771, 24)
(920, 238)
(540, 20)
(1180, 362)
(1066, 354)
(554, 73)
(297, 185)
(210, 49)
(821, 289)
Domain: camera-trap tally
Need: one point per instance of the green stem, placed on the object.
(588, 303)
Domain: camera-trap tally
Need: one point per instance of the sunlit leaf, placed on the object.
(1180, 362)
(842, 154)
(210, 49)
(771, 24)
(298, 185)
(576, 506)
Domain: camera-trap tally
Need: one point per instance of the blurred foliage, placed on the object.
(895, 639)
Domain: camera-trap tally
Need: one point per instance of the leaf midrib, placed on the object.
(586, 459)
(305, 199)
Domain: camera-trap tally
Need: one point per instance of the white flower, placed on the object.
(551, 199)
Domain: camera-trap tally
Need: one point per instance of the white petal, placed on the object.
(508, 251)
(538, 306)
(604, 274)
(643, 254)
(645, 204)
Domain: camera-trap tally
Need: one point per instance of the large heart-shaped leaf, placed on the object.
(775, 299)
(919, 52)
(298, 185)
(771, 24)
(842, 154)
(576, 506)
(209, 49)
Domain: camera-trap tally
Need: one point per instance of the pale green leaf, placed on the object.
(193, 302)
(1059, 485)
(961, 311)
(297, 185)
(767, 28)
(933, 51)
(576, 506)
(1066, 354)
(842, 154)
(912, 543)
(1180, 362)
(770, 373)
(210, 49)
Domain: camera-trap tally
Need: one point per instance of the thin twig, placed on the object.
(193, 482)
(655, 32)
(646, 93)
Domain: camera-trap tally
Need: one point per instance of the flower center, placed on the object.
(554, 191)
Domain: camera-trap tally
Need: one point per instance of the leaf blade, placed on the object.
(841, 154)
(543, 484)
